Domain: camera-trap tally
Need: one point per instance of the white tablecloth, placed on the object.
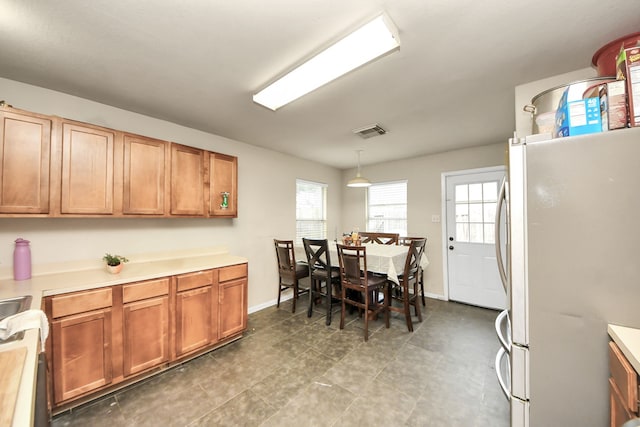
(383, 259)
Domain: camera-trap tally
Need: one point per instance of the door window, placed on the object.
(475, 207)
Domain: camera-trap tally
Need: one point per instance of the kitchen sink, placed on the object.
(11, 306)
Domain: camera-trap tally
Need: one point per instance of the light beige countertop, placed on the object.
(628, 339)
(91, 276)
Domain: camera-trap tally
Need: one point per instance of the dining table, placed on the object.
(381, 259)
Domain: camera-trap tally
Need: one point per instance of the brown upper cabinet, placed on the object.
(145, 180)
(51, 166)
(223, 187)
(187, 181)
(25, 150)
(87, 169)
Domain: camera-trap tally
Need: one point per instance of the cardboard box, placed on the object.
(628, 69)
(614, 106)
(578, 117)
(599, 91)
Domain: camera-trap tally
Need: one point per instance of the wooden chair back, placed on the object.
(412, 264)
(317, 251)
(406, 240)
(286, 257)
(380, 238)
(353, 264)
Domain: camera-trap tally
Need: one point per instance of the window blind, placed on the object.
(311, 221)
(387, 207)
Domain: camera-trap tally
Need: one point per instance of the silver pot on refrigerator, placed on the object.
(544, 105)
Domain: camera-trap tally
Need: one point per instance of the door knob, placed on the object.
(451, 239)
(450, 248)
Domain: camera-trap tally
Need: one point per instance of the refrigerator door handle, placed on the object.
(503, 318)
(503, 385)
(501, 199)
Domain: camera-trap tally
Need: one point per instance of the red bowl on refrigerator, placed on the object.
(604, 60)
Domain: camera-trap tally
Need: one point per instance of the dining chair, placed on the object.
(325, 279)
(380, 238)
(364, 286)
(290, 272)
(409, 278)
(406, 241)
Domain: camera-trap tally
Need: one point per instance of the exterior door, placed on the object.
(471, 200)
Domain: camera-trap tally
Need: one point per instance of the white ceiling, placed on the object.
(197, 63)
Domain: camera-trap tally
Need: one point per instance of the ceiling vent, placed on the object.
(370, 131)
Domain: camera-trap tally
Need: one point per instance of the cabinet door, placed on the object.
(25, 150)
(619, 412)
(145, 161)
(193, 319)
(81, 347)
(232, 308)
(624, 377)
(187, 181)
(146, 334)
(87, 169)
(223, 180)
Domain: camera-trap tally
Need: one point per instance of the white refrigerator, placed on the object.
(572, 266)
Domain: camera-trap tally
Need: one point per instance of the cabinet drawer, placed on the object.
(232, 272)
(194, 280)
(144, 290)
(624, 377)
(80, 302)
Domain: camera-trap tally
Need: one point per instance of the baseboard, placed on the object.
(435, 296)
(270, 303)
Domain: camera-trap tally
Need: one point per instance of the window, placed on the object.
(476, 212)
(311, 212)
(387, 208)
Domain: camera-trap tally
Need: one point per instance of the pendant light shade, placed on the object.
(358, 181)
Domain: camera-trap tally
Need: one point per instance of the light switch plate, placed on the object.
(435, 218)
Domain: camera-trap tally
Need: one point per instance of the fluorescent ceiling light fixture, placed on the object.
(359, 181)
(367, 43)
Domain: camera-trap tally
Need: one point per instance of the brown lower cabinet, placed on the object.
(105, 338)
(81, 342)
(232, 300)
(145, 325)
(194, 307)
(623, 387)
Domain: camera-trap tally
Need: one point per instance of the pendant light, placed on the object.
(358, 181)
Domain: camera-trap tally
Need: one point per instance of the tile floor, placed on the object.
(290, 370)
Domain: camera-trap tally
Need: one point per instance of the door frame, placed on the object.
(443, 222)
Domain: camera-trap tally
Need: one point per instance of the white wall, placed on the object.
(266, 188)
(423, 175)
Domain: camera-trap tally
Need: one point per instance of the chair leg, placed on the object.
(366, 316)
(329, 301)
(312, 287)
(343, 308)
(295, 296)
(407, 311)
(279, 292)
(387, 302)
(416, 303)
(422, 287)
